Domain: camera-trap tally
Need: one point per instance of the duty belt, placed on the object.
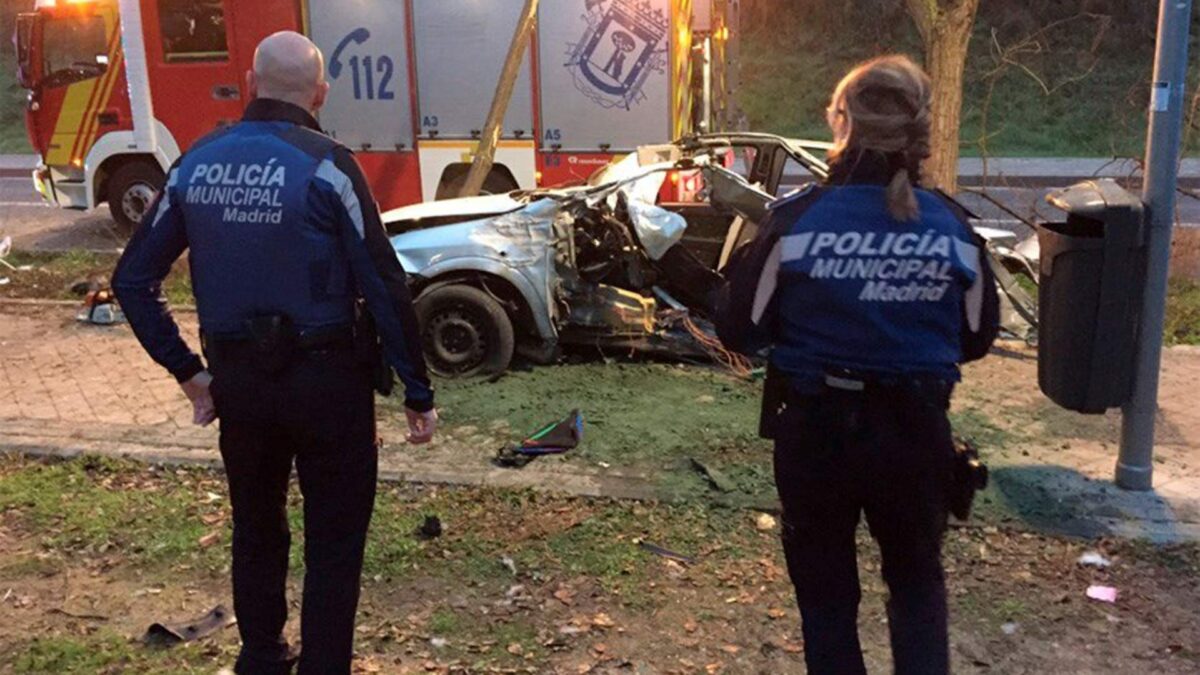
(853, 381)
(314, 339)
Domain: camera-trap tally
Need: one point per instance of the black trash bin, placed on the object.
(1090, 296)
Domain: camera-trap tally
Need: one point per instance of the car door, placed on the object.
(195, 80)
(80, 45)
(708, 226)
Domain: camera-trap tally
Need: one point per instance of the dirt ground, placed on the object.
(93, 551)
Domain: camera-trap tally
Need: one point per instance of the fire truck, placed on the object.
(119, 88)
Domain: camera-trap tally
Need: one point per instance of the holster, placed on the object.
(970, 475)
(370, 351)
(774, 401)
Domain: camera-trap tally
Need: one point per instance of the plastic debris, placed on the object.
(555, 438)
(438, 642)
(1102, 593)
(1094, 559)
(509, 564)
(100, 308)
(765, 522)
(1010, 628)
(5, 249)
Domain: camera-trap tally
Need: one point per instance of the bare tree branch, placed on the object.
(924, 13)
(1012, 56)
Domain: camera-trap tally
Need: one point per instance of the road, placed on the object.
(33, 225)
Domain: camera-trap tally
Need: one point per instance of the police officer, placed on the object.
(869, 293)
(284, 235)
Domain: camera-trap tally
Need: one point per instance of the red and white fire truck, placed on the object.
(119, 88)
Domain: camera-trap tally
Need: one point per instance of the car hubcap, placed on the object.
(136, 200)
(458, 341)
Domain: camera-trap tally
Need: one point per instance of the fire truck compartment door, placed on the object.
(461, 46)
(366, 59)
(604, 73)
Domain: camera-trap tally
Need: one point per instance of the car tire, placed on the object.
(131, 190)
(465, 332)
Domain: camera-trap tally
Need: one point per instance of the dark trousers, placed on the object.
(888, 453)
(320, 413)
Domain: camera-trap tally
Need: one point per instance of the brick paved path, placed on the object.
(67, 388)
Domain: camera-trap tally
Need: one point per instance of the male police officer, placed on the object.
(284, 236)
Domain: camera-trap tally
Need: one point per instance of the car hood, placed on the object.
(485, 205)
(516, 239)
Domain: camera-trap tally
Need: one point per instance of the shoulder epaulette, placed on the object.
(315, 143)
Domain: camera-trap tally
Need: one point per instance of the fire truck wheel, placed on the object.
(131, 189)
(465, 331)
(496, 183)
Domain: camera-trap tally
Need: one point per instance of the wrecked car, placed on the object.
(628, 260)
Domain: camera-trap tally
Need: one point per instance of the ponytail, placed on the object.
(902, 198)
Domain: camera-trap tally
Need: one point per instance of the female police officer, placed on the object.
(869, 292)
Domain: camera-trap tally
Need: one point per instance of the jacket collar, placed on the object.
(869, 167)
(274, 110)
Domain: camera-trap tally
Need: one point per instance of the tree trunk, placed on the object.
(945, 27)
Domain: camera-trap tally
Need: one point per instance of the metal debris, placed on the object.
(666, 553)
(168, 634)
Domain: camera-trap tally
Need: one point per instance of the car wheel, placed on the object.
(465, 331)
(131, 190)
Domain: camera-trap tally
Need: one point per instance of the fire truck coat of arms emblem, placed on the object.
(624, 44)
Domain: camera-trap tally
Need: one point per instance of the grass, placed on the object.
(975, 425)
(52, 274)
(1182, 325)
(13, 139)
(156, 519)
(628, 420)
(96, 505)
(625, 419)
(107, 652)
(1046, 102)
(576, 560)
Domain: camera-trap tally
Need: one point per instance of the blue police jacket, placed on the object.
(277, 219)
(834, 283)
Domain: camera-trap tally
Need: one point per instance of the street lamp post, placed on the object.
(1135, 465)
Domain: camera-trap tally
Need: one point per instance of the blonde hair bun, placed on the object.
(884, 105)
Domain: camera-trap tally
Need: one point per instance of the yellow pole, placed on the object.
(486, 153)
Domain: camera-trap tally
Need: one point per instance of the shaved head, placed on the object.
(289, 67)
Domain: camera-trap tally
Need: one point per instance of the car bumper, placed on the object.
(64, 193)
